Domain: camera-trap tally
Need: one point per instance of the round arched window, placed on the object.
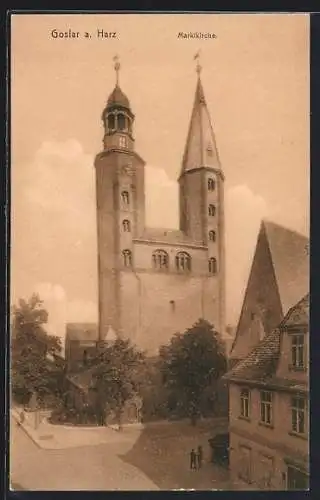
(160, 259)
(212, 265)
(111, 122)
(183, 261)
(121, 122)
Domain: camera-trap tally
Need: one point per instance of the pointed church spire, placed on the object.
(200, 149)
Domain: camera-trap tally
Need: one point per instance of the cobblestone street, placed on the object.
(156, 458)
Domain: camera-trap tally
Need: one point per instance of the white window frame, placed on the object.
(245, 400)
(297, 351)
(266, 408)
(298, 415)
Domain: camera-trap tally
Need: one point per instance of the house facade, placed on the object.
(269, 409)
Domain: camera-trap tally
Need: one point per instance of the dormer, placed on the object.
(294, 358)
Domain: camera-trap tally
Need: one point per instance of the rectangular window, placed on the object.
(298, 415)
(122, 142)
(266, 407)
(244, 471)
(245, 403)
(297, 351)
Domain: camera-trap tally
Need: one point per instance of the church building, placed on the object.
(155, 282)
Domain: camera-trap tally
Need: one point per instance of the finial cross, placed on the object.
(197, 58)
(117, 67)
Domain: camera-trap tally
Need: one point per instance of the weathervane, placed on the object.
(117, 68)
(197, 58)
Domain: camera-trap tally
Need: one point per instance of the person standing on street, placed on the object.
(193, 458)
(199, 457)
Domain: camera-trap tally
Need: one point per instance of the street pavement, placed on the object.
(158, 458)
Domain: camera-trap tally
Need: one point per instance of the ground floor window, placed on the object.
(297, 480)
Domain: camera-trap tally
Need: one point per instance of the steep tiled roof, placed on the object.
(261, 363)
(82, 331)
(118, 98)
(200, 149)
(299, 314)
(289, 253)
(262, 360)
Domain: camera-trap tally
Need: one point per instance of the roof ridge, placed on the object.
(268, 222)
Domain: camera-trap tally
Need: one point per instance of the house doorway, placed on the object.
(297, 480)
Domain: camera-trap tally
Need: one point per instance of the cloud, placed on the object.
(54, 221)
(54, 228)
(61, 180)
(62, 311)
(54, 301)
(48, 291)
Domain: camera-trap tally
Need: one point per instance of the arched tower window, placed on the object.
(183, 261)
(160, 259)
(127, 258)
(111, 122)
(126, 226)
(212, 265)
(121, 122)
(211, 184)
(211, 210)
(125, 197)
(212, 235)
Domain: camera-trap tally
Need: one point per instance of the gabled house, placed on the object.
(80, 344)
(269, 408)
(279, 277)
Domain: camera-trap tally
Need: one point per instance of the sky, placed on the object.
(256, 82)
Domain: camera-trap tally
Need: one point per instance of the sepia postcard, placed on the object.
(159, 308)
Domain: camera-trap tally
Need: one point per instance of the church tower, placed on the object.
(154, 282)
(120, 202)
(201, 192)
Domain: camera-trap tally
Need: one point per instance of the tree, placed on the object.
(191, 363)
(118, 376)
(31, 371)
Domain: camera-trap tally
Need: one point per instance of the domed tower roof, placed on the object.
(118, 98)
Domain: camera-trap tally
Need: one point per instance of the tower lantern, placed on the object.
(117, 117)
